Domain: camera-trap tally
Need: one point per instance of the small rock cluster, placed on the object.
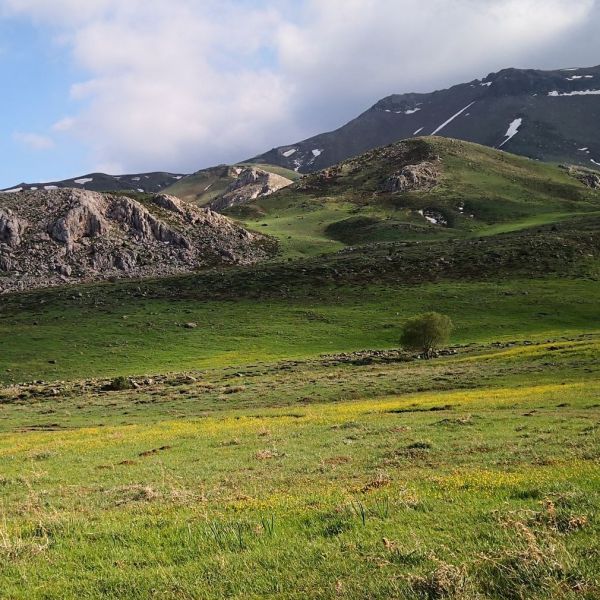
(421, 176)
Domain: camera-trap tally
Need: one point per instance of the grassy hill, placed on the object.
(206, 185)
(271, 439)
(479, 191)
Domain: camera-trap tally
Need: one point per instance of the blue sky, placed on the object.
(37, 74)
(140, 85)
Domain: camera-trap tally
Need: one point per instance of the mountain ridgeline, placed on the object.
(552, 116)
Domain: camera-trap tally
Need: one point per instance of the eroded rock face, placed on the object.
(588, 177)
(49, 237)
(592, 180)
(138, 219)
(11, 228)
(413, 177)
(84, 218)
(250, 184)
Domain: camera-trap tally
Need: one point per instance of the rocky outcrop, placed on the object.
(11, 228)
(421, 176)
(251, 183)
(84, 218)
(51, 237)
(588, 177)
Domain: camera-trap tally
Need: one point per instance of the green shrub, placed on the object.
(119, 383)
(426, 332)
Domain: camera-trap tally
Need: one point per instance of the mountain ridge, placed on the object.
(552, 116)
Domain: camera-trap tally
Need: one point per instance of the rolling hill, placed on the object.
(552, 116)
(421, 189)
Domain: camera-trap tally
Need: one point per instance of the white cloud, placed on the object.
(182, 84)
(34, 141)
(360, 50)
(65, 124)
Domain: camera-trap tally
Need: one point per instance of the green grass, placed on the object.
(284, 447)
(480, 192)
(107, 333)
(488, 492)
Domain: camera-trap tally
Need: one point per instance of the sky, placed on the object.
(124, 86)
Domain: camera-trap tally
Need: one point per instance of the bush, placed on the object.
(426, 332)
(119, 384)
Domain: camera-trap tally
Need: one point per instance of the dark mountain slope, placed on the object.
(546, 115)
(101, 182)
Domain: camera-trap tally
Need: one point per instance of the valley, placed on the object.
(253, 428)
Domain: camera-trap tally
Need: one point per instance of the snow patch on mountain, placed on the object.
(460, 112)
(513, 129)
(289, 153)
(316, 152)
(556, 94)
(84, 180)
(418, 130)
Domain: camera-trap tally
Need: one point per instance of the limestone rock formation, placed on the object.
(413, 177)
(11, 228)
(51, 237)
(250, 184)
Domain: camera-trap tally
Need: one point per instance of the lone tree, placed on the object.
(426, 332)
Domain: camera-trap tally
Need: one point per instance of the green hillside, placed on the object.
(479, 191)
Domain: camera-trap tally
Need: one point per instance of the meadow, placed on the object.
(257, 432)
(260, 455)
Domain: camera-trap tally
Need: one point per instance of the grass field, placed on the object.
(248, 465)
(269, 439)
(272, 483)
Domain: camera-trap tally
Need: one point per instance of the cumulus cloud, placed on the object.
(34, 141)
(182, 84)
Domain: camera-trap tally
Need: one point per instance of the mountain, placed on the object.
(53, 237)
(552, 116)
(101, 182)
(223, 185)
(227, 185)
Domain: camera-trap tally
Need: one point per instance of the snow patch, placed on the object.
(317, 152)
(513, 129)
(135, 179)
(582, 149)
(556, 94)
(487, 84)
(140, 190)
(289, 153)
(574, 77)
(460, 112)
(50, 187)
(84, 180)
(593, 161)
(14, 190)
(177, 177)
(418, 130)
(410, 111)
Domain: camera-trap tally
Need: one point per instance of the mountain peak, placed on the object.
(551, 115)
